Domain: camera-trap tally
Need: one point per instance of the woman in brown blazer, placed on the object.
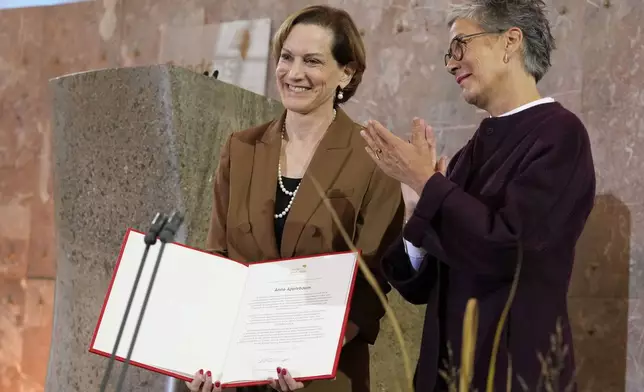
(265, 204)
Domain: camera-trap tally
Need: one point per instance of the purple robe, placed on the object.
(524, 181)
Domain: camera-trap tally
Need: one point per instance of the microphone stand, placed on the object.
(166, 235)
(150, 239)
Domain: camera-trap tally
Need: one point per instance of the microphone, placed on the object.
(214, 73)
(157, 224)
(170, 229)
(150, 239)
(167, 234)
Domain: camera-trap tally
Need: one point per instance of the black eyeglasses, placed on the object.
(459, 44)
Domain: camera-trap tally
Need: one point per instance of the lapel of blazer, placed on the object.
(263, 186)
(325, 166)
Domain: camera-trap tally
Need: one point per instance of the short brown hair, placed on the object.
(347, 47)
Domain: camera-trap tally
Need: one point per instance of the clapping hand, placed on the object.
(423, 141)
(413, 162)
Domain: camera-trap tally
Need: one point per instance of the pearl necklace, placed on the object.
(279, 178)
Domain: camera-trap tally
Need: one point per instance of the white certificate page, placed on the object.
(292, 315)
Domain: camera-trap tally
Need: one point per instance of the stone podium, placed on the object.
(129, 143)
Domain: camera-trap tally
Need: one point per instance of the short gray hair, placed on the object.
(500, 15)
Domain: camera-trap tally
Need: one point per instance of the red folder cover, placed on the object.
(240, 321)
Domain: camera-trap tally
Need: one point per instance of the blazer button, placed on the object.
(489, 131)
(312, 231)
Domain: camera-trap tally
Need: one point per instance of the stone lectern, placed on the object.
(129, 143)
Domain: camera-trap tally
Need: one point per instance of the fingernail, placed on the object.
(279, 370)
(284, 372)
(217, 384)
(208, 373)
(200, 371)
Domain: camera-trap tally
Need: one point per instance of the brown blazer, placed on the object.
(368, 203)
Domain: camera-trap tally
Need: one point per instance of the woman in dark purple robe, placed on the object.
(514, 199)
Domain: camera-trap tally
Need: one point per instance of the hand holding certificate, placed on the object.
(240, 321)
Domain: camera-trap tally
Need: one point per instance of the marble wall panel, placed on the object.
(612, 111)
(238, 51)
(36, 332)
(73, 42)
(25, 330)
(141, 22)
(198, 56)
(635, 347)
(611, 106)
(612, 101)
(564, 79)
(106, 20)
(26, 236)
(600, 328)
(21, 142)
(12, 296)
(603, 254)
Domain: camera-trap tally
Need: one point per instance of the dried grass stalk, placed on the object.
(470, 328)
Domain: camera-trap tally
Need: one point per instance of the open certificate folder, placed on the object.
(240, 321)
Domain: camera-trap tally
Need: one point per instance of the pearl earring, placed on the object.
(505, 58)
(340, 95)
